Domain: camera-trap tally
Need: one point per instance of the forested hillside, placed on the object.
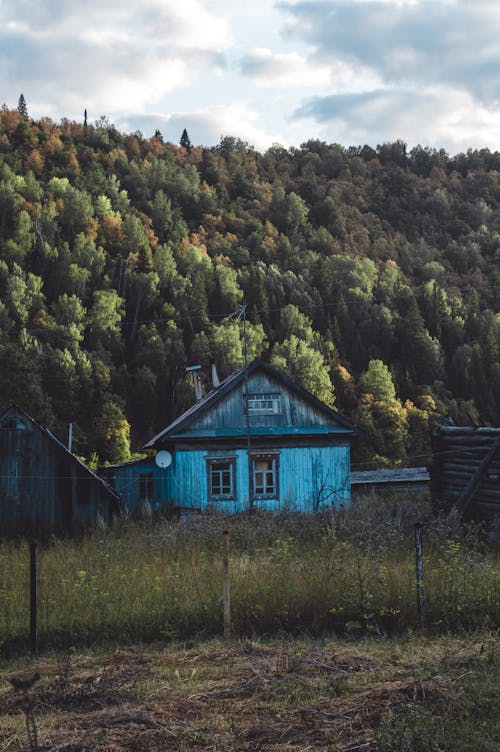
(370, 276)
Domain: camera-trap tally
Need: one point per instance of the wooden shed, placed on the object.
(44, 489)
(465, 470)
(256, 440)
(398, 480)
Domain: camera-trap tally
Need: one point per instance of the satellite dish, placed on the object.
(163, 459)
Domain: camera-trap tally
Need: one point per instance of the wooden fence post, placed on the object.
(33, 599)
(419, 558)
(227, 589)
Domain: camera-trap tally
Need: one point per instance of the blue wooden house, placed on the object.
(256, 440)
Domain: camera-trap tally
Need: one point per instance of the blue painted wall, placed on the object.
(126, 480)
(310, 441)
(296, 414)
(309, 478)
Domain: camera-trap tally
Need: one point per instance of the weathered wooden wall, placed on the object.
(44, 490)
(466, 470)
(125, 479)
(309, 478)
(296, 414)
(306, 444)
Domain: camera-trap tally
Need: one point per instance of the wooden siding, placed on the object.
(403, 479)
(315, 477)
(126, 481)
(44, 490)
(466, 470)
(228, 414)
(309, 478)
(305, 445)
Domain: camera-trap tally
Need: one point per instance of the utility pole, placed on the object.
(241, 313)
(247, 414)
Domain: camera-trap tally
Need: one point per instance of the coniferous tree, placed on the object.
(21, 106)
(185, 141)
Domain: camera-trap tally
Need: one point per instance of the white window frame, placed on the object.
(267, 486)
(266, 403)
(216, 467)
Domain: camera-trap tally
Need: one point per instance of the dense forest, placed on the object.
(370, 276)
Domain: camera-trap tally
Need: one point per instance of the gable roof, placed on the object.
(17, 412)
(230, 383)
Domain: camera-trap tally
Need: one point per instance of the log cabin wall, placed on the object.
(466, 470)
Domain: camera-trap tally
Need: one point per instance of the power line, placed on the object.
(233, 314)
(425, 455)
(354, 465)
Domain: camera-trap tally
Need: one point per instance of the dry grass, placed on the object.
(280, 695)
(350, 571)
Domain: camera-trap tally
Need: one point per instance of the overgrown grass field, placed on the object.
(350, 571)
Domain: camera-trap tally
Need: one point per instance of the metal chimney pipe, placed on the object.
(198, 389)
(215, 376)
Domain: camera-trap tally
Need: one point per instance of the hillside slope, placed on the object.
(370, 276)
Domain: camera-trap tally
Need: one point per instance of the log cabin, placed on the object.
(465, 470)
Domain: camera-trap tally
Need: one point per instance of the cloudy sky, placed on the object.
(345, 71)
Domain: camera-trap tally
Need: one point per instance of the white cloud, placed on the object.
(107, 55)
(437, 117)
(428, 71)
(425, 71)
(282, 69)
(207, 126)
(407, 43)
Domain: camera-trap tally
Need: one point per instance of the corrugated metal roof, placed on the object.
(467, 431)
(141, 460)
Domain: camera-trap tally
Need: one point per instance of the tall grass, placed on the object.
(351, 571)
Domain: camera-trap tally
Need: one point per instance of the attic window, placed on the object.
(15, 423)
(263, 404)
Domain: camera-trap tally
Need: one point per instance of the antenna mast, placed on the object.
(243, 313)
